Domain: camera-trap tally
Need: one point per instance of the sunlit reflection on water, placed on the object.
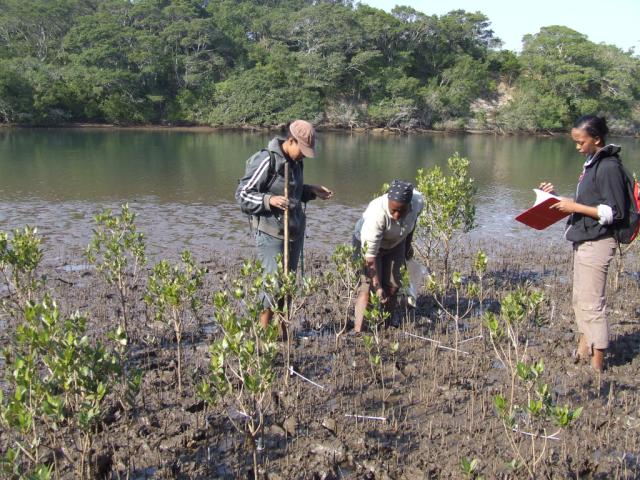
(172, 227)
(181, 184)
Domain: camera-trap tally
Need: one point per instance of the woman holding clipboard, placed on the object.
(601, 202)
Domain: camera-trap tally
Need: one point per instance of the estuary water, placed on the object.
(181, 184)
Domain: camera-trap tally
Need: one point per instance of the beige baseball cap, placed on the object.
(305, 134)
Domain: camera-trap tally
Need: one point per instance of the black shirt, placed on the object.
(602, 183)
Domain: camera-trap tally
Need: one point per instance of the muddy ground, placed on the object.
(436, 406)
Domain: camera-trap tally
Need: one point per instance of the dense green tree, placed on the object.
(104, 39)
(505, 65)
(384, 33)
(532, 110)
(619, 83)
(262, 96)
(36, 28)
(232, 62)
(450, 94)
(16, 93)
(438, 41)
(564, 75)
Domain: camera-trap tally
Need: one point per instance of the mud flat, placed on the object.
(436, 405)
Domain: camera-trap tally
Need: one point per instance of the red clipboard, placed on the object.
(541, 215)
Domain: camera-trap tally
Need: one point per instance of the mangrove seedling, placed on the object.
(375, 317)
(172, 292)
(20, 257)
(57, 380)
(535, 414)
(529, 403)
(517, 310)
(287, 297)
(448, 209)
(242, 367)
(480, 262)
(344, 281)
(469, 468)
(117, 250)
(464, 293)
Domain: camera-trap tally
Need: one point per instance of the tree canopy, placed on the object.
(263, 62)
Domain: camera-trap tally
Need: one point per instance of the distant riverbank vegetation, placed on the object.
(262, 62)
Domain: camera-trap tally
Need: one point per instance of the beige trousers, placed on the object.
(591, 261)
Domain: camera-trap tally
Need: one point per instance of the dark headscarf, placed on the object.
(400, 191)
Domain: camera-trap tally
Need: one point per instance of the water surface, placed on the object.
(181, 184)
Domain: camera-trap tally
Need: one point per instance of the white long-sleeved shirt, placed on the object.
(378, 230)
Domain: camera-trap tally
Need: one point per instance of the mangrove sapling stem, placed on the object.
(55, 466)
(541, 456)
(255, 459)
(122, 290)
(285, 259)
(449, 314)
(346, 319)
(384, 396)
(288, 334)
(27, 454)
(457, 319)
(499, 355)
(516, 450)
(177, 326)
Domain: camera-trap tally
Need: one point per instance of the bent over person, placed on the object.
(261, 195)
(385, 232)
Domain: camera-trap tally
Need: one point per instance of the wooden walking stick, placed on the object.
(285, 267)
(285, 259)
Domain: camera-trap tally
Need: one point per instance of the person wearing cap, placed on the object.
(261, 194)
(384, 234)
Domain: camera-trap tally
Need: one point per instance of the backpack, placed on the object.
(272, 175)
(628, 231)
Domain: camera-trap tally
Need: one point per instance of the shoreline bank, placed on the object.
(272, 128)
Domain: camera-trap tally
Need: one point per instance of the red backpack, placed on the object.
(628, 229)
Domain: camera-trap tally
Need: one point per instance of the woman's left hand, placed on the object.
(566, 206)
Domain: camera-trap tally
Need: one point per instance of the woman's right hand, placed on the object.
(547, 187)
(382, 295)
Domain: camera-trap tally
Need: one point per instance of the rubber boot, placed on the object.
(597, 360)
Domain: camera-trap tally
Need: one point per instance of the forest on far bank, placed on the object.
(263, 62)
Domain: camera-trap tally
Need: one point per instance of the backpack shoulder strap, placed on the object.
(273, 174)
(611, 158)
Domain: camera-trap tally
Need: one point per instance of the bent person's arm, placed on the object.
(372, 273)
